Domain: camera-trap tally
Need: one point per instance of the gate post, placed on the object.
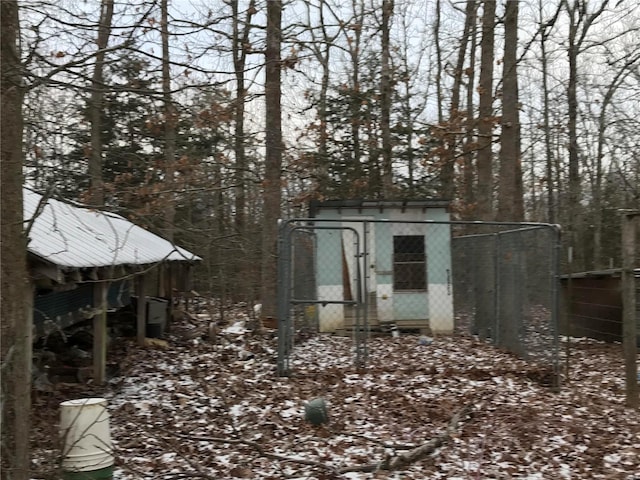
(629, 328)
(283, 290)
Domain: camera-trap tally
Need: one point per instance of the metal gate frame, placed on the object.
(286, 301)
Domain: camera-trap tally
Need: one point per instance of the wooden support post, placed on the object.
(629, 329)
(170, 281)
(100, 291)
(141, 314)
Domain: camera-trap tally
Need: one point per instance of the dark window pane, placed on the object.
(408, 244)
(409, 263)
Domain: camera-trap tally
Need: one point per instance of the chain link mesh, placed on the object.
(368, 277)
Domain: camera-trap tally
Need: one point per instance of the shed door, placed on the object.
(367, 251)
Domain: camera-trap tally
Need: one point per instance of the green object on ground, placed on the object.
(315, 411)
(105, 473)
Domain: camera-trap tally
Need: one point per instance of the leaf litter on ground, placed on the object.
(217, 409)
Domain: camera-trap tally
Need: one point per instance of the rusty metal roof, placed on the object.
(76, 236)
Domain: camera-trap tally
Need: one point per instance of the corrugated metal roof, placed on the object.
(77, 237)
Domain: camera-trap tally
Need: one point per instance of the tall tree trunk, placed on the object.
(629, 66)
(447, 189)
(579, 23)
(240, 39)
(510, 201)
(574, 207)
(323, 153)
(96, 187)
(273, 161)
(170, 121)
(468, 192)
(544, 35)
(240, 50)
(16, 294)
(356, 115)
(486, 120)
(385, 102)
(447, 172)
(485, 306)
(321, 48)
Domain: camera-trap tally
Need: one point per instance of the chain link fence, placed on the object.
(506, 287)
(374, 277)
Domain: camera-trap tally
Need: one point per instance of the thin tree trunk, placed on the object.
(354, 52)
(469, 198)
(96, 187)
(170, 121)
(572, 128)
(321, 48)
(240, 48)
(385, 102)
(438, 80)
(16, 294)
(579, 23)
(323, 154)
(447, 172)
(551, 217)
(486, 120)
(273, 161)
(631, 62)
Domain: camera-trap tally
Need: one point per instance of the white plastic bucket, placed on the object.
(86, 440)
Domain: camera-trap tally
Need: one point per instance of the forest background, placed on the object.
(156, 109)
(206, 121)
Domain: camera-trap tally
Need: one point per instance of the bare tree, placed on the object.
(546, 125)
(355, 55)
(468, 173)
(580, 21)
(385, 101)
(96, 186)
(627, 66)
(16, 294)
(321, 47)
(485, 113)
(170, 121)
(447, 189)
(510, 201)
(273, 159)
(456, 116)
(240, 49)
(409, 104)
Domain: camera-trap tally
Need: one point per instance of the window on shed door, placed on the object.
(409, 263)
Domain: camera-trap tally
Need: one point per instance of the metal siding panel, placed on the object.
(78, 237)
(411, 306)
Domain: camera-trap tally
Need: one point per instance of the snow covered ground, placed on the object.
(454, 409)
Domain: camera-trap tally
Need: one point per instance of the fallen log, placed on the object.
(396, 462)
(418, 453)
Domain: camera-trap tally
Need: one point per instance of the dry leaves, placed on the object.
(205, 410)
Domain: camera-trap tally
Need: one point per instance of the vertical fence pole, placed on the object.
(629, 339)
(568, 308)
(497, 325)
(364, 294)
(555, 305)
(283, 285)
(141, 310)
(357, 296)
(101, 290)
